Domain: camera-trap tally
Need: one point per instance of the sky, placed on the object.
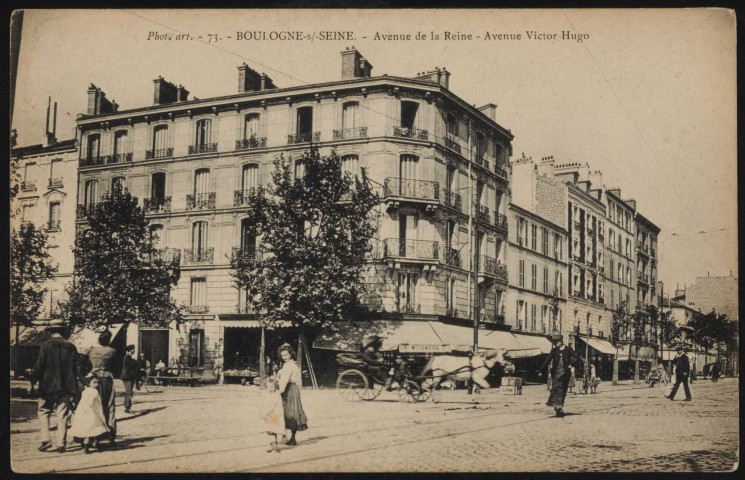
(648, 97)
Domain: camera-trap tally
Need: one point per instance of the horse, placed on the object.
(475, 368)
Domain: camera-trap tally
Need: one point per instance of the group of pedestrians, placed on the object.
(60, 371)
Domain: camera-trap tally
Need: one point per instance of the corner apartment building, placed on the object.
(646, 260)
(442, 165)
(620, 253)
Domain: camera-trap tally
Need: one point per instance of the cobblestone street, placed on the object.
(216, 429)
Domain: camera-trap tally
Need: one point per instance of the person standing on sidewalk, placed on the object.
(682, 371)
(101, 358)
(56, 371)
(129, 377)
(560, 359)
(289, 379)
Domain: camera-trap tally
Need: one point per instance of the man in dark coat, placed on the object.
(56, 371)
(682, 371)
(560, 359)
(129, 376)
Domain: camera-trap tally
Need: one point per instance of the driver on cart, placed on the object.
(375, 363)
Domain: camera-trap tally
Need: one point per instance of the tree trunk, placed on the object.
(636, 367)
(17, 353)
(615, 368)
(262, 360)
(300, 346)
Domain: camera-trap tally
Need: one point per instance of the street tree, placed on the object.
(702, 331)
(120, 276)
(30, 268)
(639, 323)
(620, 325)
(315, 226)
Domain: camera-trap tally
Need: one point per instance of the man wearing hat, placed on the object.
(560, 359)
(682, 371)
(129, 376)
(375, 362)
(56, 371)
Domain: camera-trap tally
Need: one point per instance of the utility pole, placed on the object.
(472, 257)
(587, 348)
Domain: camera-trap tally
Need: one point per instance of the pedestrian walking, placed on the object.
(594, 379)
(56, 371)
(716, 372)
(289, 379)
(559, 360)
(102, 358)
(143, 370)
(273, 414)
(572, 380)
(129, 376)
(682, 371)
(88, 422)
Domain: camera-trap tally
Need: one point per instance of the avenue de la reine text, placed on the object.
(445, 35)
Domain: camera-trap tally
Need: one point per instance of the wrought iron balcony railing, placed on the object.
(488, 265)
(246, 252)
(85, 211)
(452, 200)
(245, 308)
(201, 255)
(240, 197)
(304, 137)
(119, 158)
(197, 309)
(642, 277)
(482, 214)
(411, 249)
(415, 133)
(251, 142)
(168, 255)
(500, 221)
(501, 172)
(452, 257)
(482, 162)
(452, 144)
(54, 226)
(90, 161)
(200, 201)
(419, 189)
(202, 148)
(159, 153)
(157, 205)
(349, 133)
(56, 183)
(28, 186)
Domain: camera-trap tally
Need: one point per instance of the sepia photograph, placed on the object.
(368, 240)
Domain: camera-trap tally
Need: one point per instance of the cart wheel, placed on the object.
(408, 391)
(419, 393)
(371, 392)
(350, 384)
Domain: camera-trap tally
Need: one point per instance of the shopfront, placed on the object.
(601, 354)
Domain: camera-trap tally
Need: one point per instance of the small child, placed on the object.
(273, 413)
(89, 422)
(572, 379)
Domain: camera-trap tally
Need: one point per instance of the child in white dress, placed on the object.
(89, 422)
(273, 413)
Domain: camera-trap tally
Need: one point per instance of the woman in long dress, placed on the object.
(289, 380)
(102, 358)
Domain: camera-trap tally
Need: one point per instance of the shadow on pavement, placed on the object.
(141, 413)
(312, 440)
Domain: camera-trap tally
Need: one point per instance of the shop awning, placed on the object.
(407, 336)
(29, 336)
(252, 324)
(602, 346)
(457, 338)
(629, 352)
(508, 341)
(85, 338)
(342, 336)
(540, 344)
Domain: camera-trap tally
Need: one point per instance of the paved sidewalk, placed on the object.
(216, 429)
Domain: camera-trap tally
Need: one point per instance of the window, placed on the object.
(118, 183)
(620, 272)
(160, 138)
(156, 234)
(299, 169)
(91, 192)
(409, 114)
(449, 233)
(199, 233)
(534, 237)
(533, 317)
(521, 313)
(558, 287)
(522, 231)
(545, 279)
(201, 181)
(479, 193)
(499, 155)
(480, 144)
(557, 246)
(251, 126)
(544, 317)
(610, 272)
(628, 247)
(612, 298)
(94, 146)
(628, 275)
(601, 293)
(521, 274)
(450, 294)
(26, 213)
(248, 237)
(544, 237)
(407, 297)
(407, 170)
(304, 126)
(534, 277)
(120, 140)
(452, 125)
(203, 132)
(350, 114)
(198, 292)
(249, 178)
(158, 188)
(244, 303)
(450, 180)
(196, 347)
(350, 164)
(54, 216)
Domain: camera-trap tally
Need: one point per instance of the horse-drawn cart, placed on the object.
(357, 381)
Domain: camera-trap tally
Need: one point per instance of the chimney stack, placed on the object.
(354, 65)
(97, 102)
(51, 135)
(249, 80)
(490, 110)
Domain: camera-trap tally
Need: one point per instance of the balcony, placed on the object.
(451, 257)
(500, 222)
(197, 309)
(91, 161)
(53, 226)
(246, 253)
(653, 252)
(244, 308)
(482, 162)
(304, 138)
(159, 153)
(200, 201)
(203, 256)
(56, 183)
(501, 172)
(418, 191)
(491, 268)
(452, 200)
(240, 197)
(420, 250)
(249, 143)
(350, 133)
(168, 255)
(85, 211)
(28, 186)
(452, 144)
(482, 214)
(642, 247)
(642, 277)
(157, 205)
(202, 148)
(413, 133)
(118, 158)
